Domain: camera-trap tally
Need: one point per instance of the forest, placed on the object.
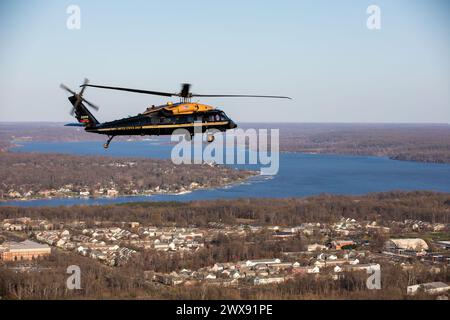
(396, 205)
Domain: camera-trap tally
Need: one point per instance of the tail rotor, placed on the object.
(79, 103)
(79, 97)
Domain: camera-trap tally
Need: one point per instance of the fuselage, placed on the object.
(163, 120)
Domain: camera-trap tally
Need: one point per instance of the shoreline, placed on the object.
(165, 193)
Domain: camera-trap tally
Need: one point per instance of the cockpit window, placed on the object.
(217, 117)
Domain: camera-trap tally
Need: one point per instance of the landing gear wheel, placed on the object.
(106, 145)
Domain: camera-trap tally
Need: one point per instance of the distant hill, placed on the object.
(413, 142)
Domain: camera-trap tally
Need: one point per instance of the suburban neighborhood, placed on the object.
(325, 251)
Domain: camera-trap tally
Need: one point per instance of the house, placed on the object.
(16, 227)
(439, 227)
(60, 243)
(6, 225)
(187, 272)
(112, 193)
(222, 282)
(80, 238)
(218, 267)
(262, 273)
(280, 266)
(249, 273)
(289, 229)
(342, 232)
(260, 266)
(283, 234)
(97, 254)
(377, 229)
(134, 224)
(443, 244)
(343, 244)
(82, 250)
(336, 262)
(168, 279)
(307, 269)
(161, 246)
(430, 288)
(65, 233)
(14, 194)
(268, 280)
(84, 193)
(361, 267)
(252, 263)
(69, 246)
(226, 273)
(316, 247)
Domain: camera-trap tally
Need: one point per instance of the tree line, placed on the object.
(418, 205)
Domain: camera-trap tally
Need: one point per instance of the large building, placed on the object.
(430, 288)
(414, 244)
(25, 250)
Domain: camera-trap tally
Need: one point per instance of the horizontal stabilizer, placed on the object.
(74, 125)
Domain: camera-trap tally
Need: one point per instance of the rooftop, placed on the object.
(27, 244)
(435, 285)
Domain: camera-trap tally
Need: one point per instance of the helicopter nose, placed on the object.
(232, 124)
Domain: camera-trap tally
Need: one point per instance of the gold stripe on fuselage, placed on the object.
(162, 126)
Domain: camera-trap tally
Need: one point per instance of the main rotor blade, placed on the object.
(63, 86)
(86, 81)
(90, 104)
(237, 96)
(158, 93)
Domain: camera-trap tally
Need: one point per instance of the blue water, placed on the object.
(299, 174)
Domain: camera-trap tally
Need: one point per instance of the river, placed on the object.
(299, 174)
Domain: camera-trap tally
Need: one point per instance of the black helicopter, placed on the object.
(156, 120)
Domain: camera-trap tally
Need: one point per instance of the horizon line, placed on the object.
(272, 122)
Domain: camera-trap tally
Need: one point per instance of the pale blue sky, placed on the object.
(319, 52)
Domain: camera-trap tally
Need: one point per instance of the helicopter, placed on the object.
(155, 120)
